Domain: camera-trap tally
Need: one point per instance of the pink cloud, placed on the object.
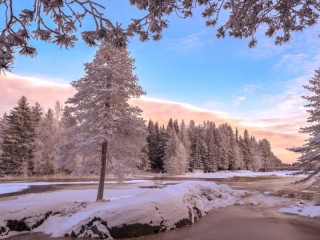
(36, 90)
(282, 133)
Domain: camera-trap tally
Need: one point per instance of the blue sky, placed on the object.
(260, 87)
(189, 64)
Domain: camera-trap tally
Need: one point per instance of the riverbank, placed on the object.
(249, 218)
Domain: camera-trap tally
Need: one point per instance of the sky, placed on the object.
(190, 74)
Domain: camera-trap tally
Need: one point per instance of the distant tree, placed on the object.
(145, 164)
(161, 139)
(105, 123)
(198, 146)
(46, 144)
(211, 159)
(57, 21)
(245, 146)
(3, 125)
(68, 159)
(309, 160)
(256, 154)
(184, 138)
(152, 144)
(17, 145)
(58, 110)
(36, 113)
(175, 159)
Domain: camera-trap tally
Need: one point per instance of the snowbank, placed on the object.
(241, 173)
(303, 209)
(128, 212)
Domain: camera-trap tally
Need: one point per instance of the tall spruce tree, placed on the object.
(18, 141)
(175, 159)
(46, 144)
(211, 159)
(105, 121)
(309, 160)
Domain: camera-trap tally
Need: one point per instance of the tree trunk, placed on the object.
(102, 171)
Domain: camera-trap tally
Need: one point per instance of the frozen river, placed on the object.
(245, 222)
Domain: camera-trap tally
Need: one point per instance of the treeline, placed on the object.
(30, 139)
(33, 142)
(178, 148)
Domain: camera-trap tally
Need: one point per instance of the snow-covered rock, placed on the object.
(146, 211)
(303, 209)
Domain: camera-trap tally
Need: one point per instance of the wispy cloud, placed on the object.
(239, 100)
(243, 93)
(190, 44)
(300, 63)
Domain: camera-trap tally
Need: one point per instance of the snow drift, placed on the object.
(144, 213)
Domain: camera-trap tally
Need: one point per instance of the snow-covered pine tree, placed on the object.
(68, 159)
(58, 110)
(184, 138)
(245, 146)
(162, 139)
(152, 145)
(211, 160)
(198, 146)
(176, 126)
(105, 122)
(309, 160)
(3, 124)
(175, 160)
(17, 145)
(256, 154)
(145, 164)
(46, 144)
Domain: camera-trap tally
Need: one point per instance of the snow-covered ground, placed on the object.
(241, 173)
(137, 207)
(148, 210)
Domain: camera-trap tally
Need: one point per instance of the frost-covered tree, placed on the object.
(198, 146)
(3, 125)
(152, 144)
(211, 160)
(175, 159)
(256, 153)
(68, 159)
(245, 146)
(184, 138)
(46, 144)
(57, 21)
(145, 164)
(58, 110)
(18, 142)
(309, 160)
(106, 125)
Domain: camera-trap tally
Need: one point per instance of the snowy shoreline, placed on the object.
(136, 208)
(19, 185)
(143, 212)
